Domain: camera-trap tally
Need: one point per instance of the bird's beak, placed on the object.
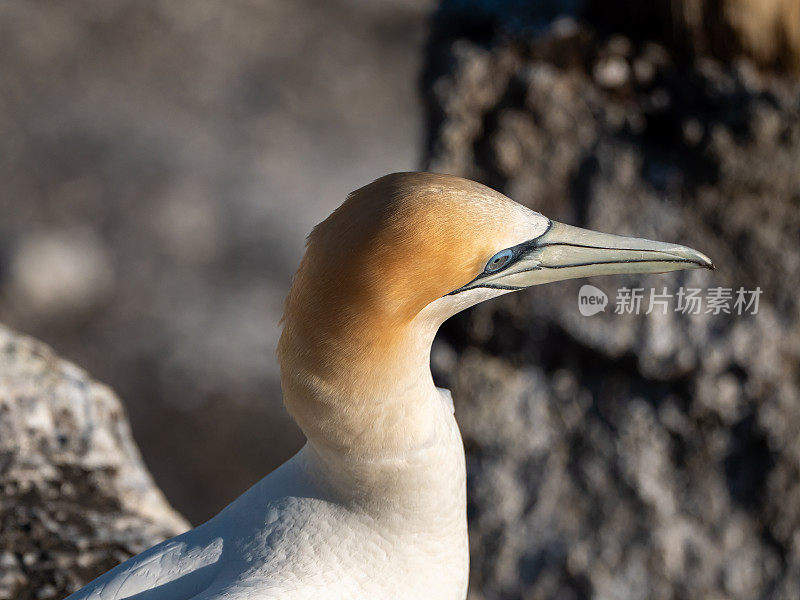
(566, 252)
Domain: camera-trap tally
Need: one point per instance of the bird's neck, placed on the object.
(362, 388)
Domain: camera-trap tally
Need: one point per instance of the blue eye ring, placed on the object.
(498, 261)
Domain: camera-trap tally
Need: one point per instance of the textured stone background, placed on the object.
(650, 456)
(162, 161)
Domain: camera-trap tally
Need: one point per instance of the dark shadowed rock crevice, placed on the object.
(627, 456)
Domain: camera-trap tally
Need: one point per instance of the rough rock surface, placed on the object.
(620, 455)
(76, 498)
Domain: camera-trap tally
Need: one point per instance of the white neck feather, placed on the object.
(382, 408)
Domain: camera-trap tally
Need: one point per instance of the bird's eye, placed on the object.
(498, 261)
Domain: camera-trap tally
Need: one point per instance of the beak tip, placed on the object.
(701, 260)
(706, 262)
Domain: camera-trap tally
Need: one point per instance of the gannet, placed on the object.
(374, 504)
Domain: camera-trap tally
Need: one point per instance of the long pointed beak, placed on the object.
(566, 252)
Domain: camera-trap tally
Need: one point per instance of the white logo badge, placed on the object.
(591, 300)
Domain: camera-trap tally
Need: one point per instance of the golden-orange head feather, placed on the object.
(390, 249)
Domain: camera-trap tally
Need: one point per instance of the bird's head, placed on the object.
(412, 243)
(400, 256)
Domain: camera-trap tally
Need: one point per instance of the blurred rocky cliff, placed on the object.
(620, 455)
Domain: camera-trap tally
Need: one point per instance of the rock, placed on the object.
(620, 455)
(767, 31)
(76, 498)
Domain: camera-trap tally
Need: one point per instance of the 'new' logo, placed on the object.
(591, 300)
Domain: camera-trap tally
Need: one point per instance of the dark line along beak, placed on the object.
(566, 252)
